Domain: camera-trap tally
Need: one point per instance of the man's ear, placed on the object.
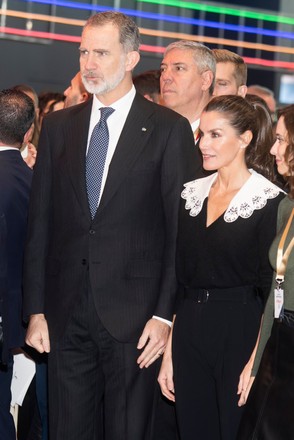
(242, 90)
(29, 134)
(85, 97)
(132, 60)
(207, 79)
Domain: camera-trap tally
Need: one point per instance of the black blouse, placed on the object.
(226, 254)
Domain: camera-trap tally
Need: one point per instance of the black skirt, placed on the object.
(269, 411)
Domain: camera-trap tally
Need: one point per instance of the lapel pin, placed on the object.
(144, 129)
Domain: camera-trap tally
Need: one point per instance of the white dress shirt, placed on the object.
(195, 125)
(115, 123)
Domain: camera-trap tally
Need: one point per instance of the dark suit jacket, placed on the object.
(127, 252)
(15, 182)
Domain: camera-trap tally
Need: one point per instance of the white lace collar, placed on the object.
(253, 195)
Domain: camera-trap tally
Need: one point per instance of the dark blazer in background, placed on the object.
(15, 182)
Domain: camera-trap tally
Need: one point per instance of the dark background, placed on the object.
(50, 65)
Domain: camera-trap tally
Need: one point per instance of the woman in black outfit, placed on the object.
(226, 225)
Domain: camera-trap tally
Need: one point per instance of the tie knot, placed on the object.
(105, 113)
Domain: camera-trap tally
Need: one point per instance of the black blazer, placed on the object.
(15, 182)
(127, 253)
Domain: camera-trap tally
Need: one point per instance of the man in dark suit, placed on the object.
(100, 285)
(16, 118)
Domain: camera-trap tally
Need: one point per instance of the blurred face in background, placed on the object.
(76, 92)
(280, 146)
(225, 81)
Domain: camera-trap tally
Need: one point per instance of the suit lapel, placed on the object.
(135, 134)
(76, 136)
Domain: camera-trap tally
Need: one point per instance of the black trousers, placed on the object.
(96, 389)
(212, 341)
(269, 409)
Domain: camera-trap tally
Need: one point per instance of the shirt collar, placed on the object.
(7, 148)
(122, 104)
(195, 125)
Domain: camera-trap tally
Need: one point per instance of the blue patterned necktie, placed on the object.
(95, 160)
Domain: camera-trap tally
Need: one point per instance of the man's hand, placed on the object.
(30, 159)
(153, 340)
(37, 333)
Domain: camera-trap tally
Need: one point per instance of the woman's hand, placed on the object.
(246, 380)
(165, 377)
(245, 383)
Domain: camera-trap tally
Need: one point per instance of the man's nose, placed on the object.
(165, 75)
(90, 62)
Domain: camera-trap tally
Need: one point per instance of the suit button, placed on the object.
(92, 232)
(84, 261)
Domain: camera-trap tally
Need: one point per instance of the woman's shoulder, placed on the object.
(254, 195)
(259, 190)
(286, 204)
(285, 208)
(260, 184)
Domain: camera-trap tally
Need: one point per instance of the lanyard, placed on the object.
(282, 258)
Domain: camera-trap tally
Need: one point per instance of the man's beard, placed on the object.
(104, 85)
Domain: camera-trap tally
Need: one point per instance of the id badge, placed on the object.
(279, 302)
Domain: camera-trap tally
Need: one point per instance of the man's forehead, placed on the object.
(99, 31)
(225, 66)
(174, 62)
(180, 56)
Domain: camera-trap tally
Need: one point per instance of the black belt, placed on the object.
(242, 294)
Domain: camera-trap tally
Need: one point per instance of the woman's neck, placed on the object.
(231, 180)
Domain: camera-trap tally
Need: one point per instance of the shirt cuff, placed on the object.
(166, 321)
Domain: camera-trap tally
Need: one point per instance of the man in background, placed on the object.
(76, 93)
(148, 84)
(187, 79)
(16, 119)
(231, 73)
(267, 95)
(29, 149)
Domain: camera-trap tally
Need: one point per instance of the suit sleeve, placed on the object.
(38, 230)
(180, 164)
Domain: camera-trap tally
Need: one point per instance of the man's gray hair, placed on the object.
(129, 35)
(203, 56)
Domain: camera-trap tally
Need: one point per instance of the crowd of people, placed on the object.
(146, 234)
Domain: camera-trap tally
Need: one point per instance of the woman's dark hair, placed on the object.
(45, 97)
(288, 114)
(266, 136)
(244, 115)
